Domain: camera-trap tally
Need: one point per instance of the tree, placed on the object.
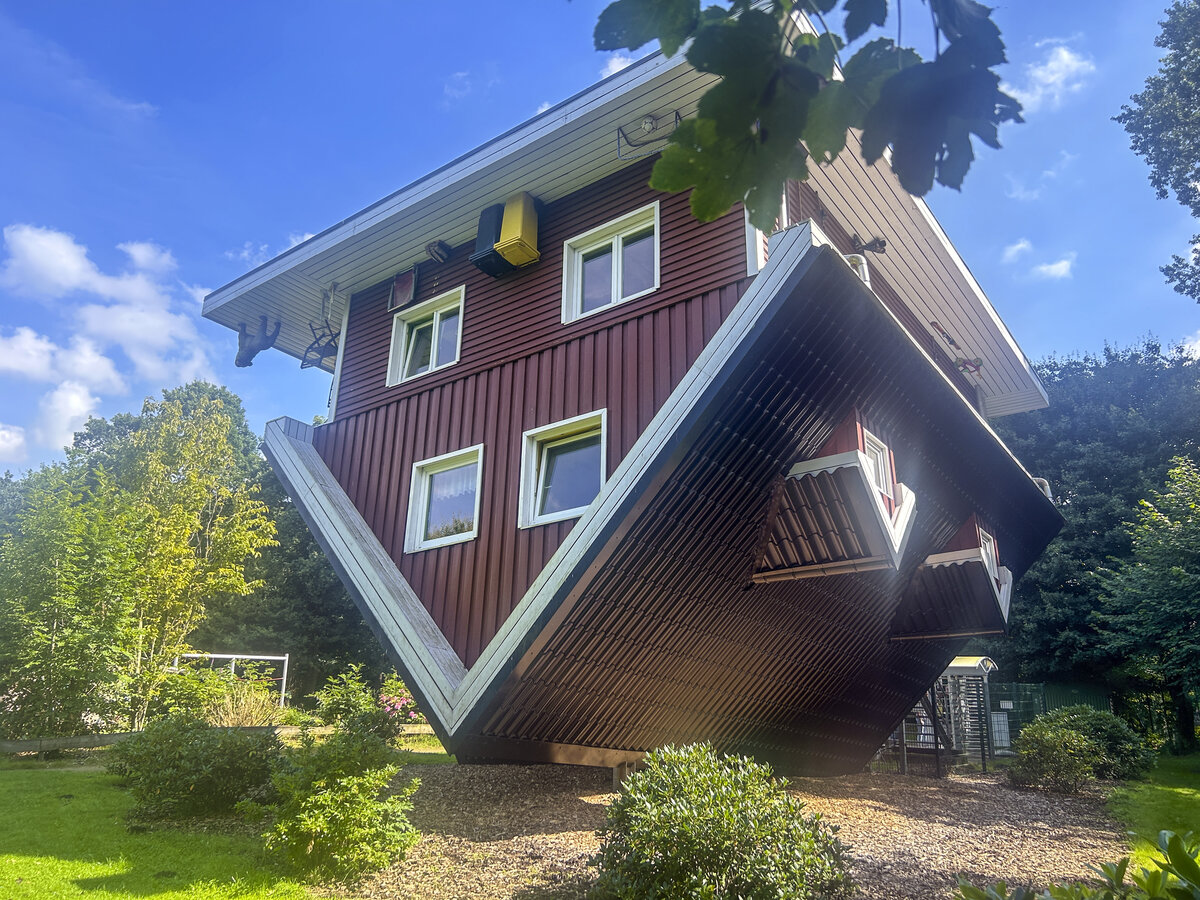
(65, 572)
(780, 102)
(118, 551)
(1151, 611)
(1164, 129)
(1104, 443)
(299, 607)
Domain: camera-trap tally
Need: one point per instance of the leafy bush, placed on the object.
(1053, 756)
(330, 820)
(1174, 876)
(347, 701)
(1123, 754)
(398, 701)
(694, 824)
(341, 754)
(295, 716)
(180, 767)
(340, 828)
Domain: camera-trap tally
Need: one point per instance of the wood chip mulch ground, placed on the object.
(526, 833)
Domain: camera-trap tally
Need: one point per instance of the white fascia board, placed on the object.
(512, 143)
(989, 311)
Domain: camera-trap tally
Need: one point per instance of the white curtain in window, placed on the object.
(454, 482)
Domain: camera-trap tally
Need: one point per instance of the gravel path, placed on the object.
(526, 833)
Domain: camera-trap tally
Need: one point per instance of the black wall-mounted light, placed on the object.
(875, 245)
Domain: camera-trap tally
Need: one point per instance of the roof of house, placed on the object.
(567, 147)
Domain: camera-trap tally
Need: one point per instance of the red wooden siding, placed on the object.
(520, 368)
(518, 314)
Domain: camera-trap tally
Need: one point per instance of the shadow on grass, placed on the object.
(63, 833)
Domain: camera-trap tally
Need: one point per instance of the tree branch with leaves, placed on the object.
(785, 98)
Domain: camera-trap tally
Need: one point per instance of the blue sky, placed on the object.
(150, 152)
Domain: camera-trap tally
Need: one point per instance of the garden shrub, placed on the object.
(1173, 876)
(695, 824)
(330, 819)
(1052, 756)
(339, 828)
(397, 699)
(1123, 753)
(347, 701)
(180, 767)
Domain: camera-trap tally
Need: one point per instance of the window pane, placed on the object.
(637, 263)
(597, 279)
(451, 506)
(570, 476)
(420, 344)
(447, 342)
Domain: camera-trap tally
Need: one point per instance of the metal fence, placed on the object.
(966, 722)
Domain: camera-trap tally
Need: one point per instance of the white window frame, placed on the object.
(610, 233)
(418, 498)
(880, 460)
(991, 559)
(534, 441)
(402, 326)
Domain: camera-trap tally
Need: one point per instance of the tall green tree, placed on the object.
(1106, 441)
(299, 607)
(197, 520)
(1164, 129)
(116, 553)
(1151, 610)
(780, 103)
(65, 577)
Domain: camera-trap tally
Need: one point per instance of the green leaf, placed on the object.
(830, 114)
(861, 15)
(628, 24)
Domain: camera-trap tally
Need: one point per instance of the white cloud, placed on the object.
(12, 443)
(615, 64)
(1055, 270)
(251, 254)
(543, 106)
(1018, 191)
(133, 310)
(1064, 161)
(1013, 251)
(1061, 72)
(196, 291)
(46, 68)
(148, 257)
(457, 86)
(62, 412)
(298, 238)
(1191, 345)
(28, 354)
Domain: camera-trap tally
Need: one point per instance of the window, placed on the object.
(987, 546)
(443, 503)
(562, 469)
(611, 264)
(426, 337)
(879, 463)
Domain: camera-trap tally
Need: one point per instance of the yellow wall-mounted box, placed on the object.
(518, 231)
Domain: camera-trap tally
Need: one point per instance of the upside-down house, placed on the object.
(603, 477)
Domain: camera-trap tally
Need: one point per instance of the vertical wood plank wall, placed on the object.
(520, 368)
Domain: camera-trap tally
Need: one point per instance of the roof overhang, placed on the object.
(560, 151)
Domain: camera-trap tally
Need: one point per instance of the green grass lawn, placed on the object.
(63, 834)
(1169, 799)
(423, 749)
